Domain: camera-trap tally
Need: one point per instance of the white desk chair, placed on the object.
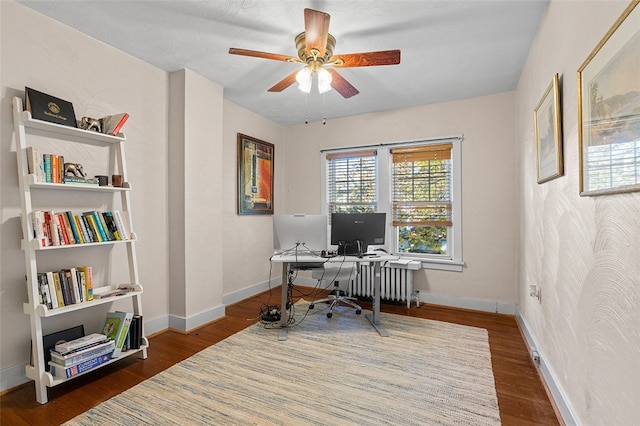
(336, 273)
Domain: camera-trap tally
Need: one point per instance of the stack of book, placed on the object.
(60, 229)
(66, 286)
(68, 359)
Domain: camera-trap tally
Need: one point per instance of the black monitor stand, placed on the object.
(350, 248)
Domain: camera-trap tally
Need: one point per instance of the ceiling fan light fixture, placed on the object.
(303, 77)
(324, 80)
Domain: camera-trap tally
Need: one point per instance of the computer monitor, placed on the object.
(354, 232)
(300, 232)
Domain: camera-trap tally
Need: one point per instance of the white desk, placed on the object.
(287, 259)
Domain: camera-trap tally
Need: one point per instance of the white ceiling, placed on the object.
(451, 49)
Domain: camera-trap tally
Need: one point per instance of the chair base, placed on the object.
(334, 301)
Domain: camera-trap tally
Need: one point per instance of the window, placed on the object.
(421, 198)
(352, 182)
(418, 185)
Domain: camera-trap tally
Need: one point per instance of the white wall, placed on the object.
(98, 80)
(247, 240)
(489, 219)
(582, 251)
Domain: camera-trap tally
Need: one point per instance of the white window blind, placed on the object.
(352, 182)
(422, 182)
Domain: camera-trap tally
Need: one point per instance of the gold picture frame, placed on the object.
(548, 134)
(609, 110)
(255, 176)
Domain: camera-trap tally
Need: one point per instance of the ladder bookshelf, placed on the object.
(30, 189)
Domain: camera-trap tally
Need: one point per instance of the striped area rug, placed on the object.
(336, 371)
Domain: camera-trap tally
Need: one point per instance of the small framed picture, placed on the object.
(255, 176)
(609, 110)
(548, 134)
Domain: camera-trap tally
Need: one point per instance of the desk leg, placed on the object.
(284, 313)
(374, 317)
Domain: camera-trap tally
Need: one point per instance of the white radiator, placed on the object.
(396, 281)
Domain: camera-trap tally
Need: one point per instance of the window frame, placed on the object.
(452, 260)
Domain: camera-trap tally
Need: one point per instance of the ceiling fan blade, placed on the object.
(284, 83)
(367, 59)
(341, 85)
(316, 29)
(264, 55)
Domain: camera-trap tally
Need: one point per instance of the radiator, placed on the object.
(396, 282)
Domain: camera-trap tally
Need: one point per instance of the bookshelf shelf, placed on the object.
(36, 246)
(126, 186)
(66, 131)
(49, 380)
(44, 312)
(31, 192)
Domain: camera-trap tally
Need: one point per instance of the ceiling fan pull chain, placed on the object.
(324, 108)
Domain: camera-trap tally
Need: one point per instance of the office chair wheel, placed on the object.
(329, 314)
(358, 311)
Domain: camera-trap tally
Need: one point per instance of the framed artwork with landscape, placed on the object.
(609, 110)
(548, 134)
(255, 176)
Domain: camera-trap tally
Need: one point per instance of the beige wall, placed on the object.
(489, 218)
(98, 80)
(583, 252)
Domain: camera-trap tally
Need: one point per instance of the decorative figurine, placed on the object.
(74, 169)
(88, 123)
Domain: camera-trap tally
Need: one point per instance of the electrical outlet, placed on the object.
(536, 356)
(534, 291)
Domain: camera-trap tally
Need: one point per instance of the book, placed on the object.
(66, 289)
(44, 290)
(63, 229)
(116, 327)
(82, 355)
(55, 168)
(52, 290)
(46, 159)
(105, 227)
(75, 284)
(135, 332)
(87, 276)
(92, 234)
(120, 225)
(111, 224)
(82, 229)
(35, 164)
(95, 221)
(67, 227)
(49, 108)
(58, 287)
(80, 343)
(82, 181)
(112, 124)
(38, 228)
(54, 232)
(74, 228)
(63, 372)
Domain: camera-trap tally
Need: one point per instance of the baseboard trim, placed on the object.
(556, 393)
(484, 305)
(186, 324)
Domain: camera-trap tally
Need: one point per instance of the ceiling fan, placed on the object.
(315, 50)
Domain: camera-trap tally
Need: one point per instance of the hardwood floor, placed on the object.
(521, 395)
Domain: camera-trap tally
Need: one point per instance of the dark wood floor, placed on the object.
(521, 395)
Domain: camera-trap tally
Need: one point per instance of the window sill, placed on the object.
(442, 265)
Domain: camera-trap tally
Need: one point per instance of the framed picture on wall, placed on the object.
(255, 175)
(609, 110)
(548, 134)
